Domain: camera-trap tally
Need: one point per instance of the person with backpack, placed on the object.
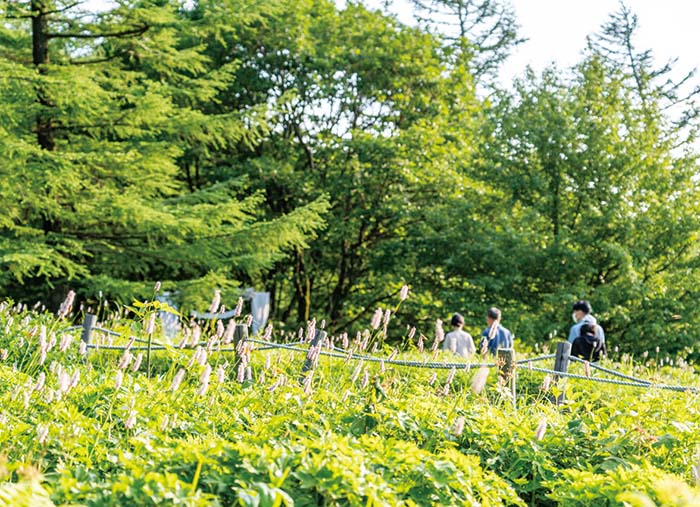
(495, 336)
(459, 341)
(582, 317)
(588, 345)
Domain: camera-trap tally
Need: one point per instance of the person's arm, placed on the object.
(573, 333)
(448, 338)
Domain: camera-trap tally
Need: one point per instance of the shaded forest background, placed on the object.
(332, 154)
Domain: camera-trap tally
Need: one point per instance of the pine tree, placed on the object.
(97, 113)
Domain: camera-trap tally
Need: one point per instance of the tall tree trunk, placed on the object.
(40, 54)
(302, 286)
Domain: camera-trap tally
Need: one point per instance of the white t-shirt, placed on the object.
(460, 342)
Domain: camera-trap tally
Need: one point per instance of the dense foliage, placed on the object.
(329, 154)
(95, 428)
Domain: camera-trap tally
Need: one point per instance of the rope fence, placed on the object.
(318, 346)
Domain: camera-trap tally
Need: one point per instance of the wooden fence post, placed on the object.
(240, 333)
(309, 362)
(89, 323)
(561, 364)
(506, 368)
(240, 336)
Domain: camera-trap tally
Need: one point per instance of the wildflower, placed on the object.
(403, 293)
(42, 432)
(421, 343)
(346, 395)
(365, 379)
(479, 380)
(239, 307)
(164, 424)
(381, 367)
(26, 394)
(587, 369)
(241, 372)
(546, 382)
(204, 377)
(150, 326)
(67, 305)
(267, 362)
(268, 333)
(221, 374)
(695, 469)
(83, 348)
(307, 383)
(202, 357)
(541, 429)
(40, 381)
(3, 354)
(387, 316)
(275, 385)
(75, 378)
(356, 373)
(249, 320)
(65, 342)
(125, 360)
(177, 380)
(215, 302)
(203, 388)
(157, 287)
(439, 332)
(52, 342)
(219, 329)
(137, 363)
(446, 390)
(227, 337)
(451, 376)
(42, 357)
(42, 337)
(432, 379)
(118, 380)
(459, 426)
(411, 333)
(64, 382)
(196, 335)
(377, 318)
(130, 421)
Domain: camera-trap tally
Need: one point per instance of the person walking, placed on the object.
(495, 336)
(582, 314)
(459, 341)
(586, 336)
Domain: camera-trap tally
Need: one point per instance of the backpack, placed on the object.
(588, 345)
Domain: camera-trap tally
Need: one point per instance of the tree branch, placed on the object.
(135, 31)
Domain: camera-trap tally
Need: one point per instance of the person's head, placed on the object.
(457, 320)
(581, 309)
(493, 314)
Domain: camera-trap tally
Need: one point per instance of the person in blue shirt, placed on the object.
(495, 336)
(582, 315)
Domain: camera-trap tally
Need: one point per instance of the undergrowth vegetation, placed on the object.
(207, 426)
